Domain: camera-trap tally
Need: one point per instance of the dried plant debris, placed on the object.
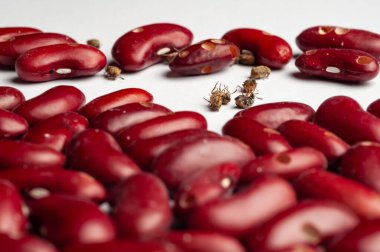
(94, 42)
(260, 72)
(113, 72)
(246, 58)
(219, 96)
(243, 101)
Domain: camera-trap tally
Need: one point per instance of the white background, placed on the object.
(108, 20)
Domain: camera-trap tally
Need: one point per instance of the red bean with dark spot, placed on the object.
(142, 209)
(55, 132)
(9, 33)
(374, 108)
(54, 101)
(144, 46)
(28, 155)
(187, 157)
(268, 49)
(344, 116)
(261, 139)
(339, 37)
(64, 220)
(301, 133)
(40, 183)
(288, 164)
(161, 125)
(318, 184)
(274, 114)
(12, 125)
(308, 222)
(113, 100)
(59, 62)
(10, 98)
(207, 56)
(97, 153)
(10, 50)
(345, 65)
(122, 117)
(241, 213)
(25, 244)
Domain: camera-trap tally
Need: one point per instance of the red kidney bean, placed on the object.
(325, 185)
(288, 164)
(301, 133)
(59, 62)
(205, 186)
(261, 139)
(40, 183)
(160, 126)
(338, 64)
(28, 155)
(183, 159)
(339, 37)
(54, 101)
(207, 56)
(295, 248)
(125, 116)
(268, 49)
(64, 220)
(200, 241)
(10, 50)
(10, 98)
(303, 223)
(12, 125)
(9, 33)
(241, 213)
(374, 108)
(142, 208)
(55, 132)
(363, 238)
(143, 46)
(343, 116)
(274, 114)
(113, 100)
(97, 153)
(25, 244)
(145, 151)
(12, 219)
(362, 163)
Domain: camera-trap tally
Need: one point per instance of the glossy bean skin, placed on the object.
(97, 153)
(295, 248)
(318, 184)
(28, 155)
(59, 61)
(113, 100)
(55, 132)
(344, 116)
(345, 65)
(362, 163)
(142, 208)
(161, 125)
(363, 238)
(303, 223)
(288, 164)
(122, 117)
(261, 139)
(145, 151)
(10, 98)
(13, 222)
(339, 37)
(25, 244)
(54, 101)
(10, 50)
(301, 133)
(12, 125)
(268, 49)
(205, 57)
(139, 48)
(374, 108)
(183, 159)
(274, 114)
(241, 213)
(37, 183)
(8, 33)
(66, 220)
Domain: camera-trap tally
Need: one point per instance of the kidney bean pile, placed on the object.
(122, 173)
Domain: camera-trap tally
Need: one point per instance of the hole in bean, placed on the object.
(311, 52)
(137, 30)
(325, 29)
(283, 158)
(363, 60)
(341, 31)
(206, 69)
(187, 200)
(271, 131)
(183, 54)
(312, 234)
(208, 46)
(218, 41)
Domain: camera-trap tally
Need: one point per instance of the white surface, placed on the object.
(108, 20)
